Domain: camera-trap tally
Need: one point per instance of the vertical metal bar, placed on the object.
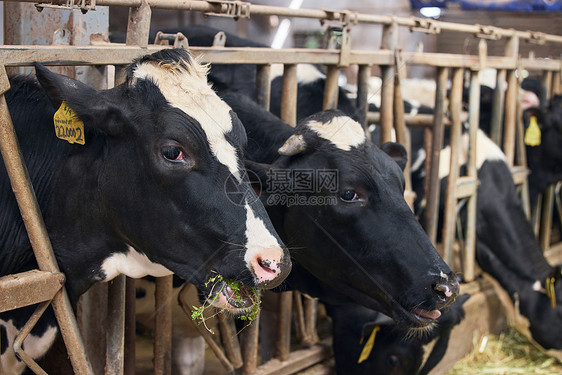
(389, 39)
(362, 102)
(331, 88)
(433, 186)
(556, 84)
(470, 242)
(498, 108)
(546, 217)
(230, 340)
(138, 27)
(511, 50)
(399, 123)
(547, 84)
(92, 314)
(163, 326)
(310, 308)
(250, 337)
(263, 85)
(283, 344)
(130, 330)
(299, 316)
(115, 328)
(451, 196)
(36, 230)
(289, 95)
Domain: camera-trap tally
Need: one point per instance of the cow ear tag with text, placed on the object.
(68, 125)
(533, 133)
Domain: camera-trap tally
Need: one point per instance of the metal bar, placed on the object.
(263, 85)
(289, 95)
(299, 316)
(498, 107)
(511, 50)
(37, 233)
(115, 355)
(138, 27)
(28, 288)
(556, 84)
(163, 326)
(451, 196)
(362, 102)
(331, 88)
(24, 332)
(547, 84)
(399, 121)
(229, 340)
(310, 308)
(472, 173)
(297, 360)
(546, 218)
(249, 337)
(283, 343)
(130, 329)
(389, 39)
(433, 186)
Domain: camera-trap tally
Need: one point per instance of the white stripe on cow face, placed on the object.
(132, 264)
(261, 245)
(189, 91)
(34, 346)
(342, 131)
(486, 149)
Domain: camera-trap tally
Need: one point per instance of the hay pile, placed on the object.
(508, 353)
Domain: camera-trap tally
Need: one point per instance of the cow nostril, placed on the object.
(266, 265)
(443, 290)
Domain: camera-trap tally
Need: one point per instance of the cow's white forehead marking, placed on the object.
(132, 264)
(486, 150)
(189, 91)
(342, 131)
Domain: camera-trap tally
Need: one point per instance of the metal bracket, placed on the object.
(488, 32)
(426, 26)
(180, 40)
(537, 37)
(233, 9)
(344, 17)
(83, 5)
(339, 35)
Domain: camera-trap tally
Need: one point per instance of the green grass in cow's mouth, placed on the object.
(237, 294)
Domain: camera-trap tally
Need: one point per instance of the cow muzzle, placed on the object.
(270, 266)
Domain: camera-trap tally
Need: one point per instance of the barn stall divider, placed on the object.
(46, 285)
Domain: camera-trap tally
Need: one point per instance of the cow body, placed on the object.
(148, 193)
(506, 247)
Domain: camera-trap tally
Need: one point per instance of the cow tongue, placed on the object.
(240, 296)
(434, 314)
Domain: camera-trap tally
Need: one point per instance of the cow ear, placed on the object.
(90, 105)
(397, 152)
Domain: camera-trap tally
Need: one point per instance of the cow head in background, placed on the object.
(351, 241)
(163, 162)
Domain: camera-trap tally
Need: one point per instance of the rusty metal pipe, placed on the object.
(263, 85)
(283, 344)
(289, 95)
(331, 88)
(163, 326)
(115, 355)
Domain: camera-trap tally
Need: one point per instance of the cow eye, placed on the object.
(349, 196)
(172, 153)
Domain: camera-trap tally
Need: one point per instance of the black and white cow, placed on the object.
(506, 247)
(154, 190)
(338, 255)
(389, 350)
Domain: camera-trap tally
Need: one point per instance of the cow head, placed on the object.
(159, 185)
(352, 235)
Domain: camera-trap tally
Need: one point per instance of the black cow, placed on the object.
(158, 187)
(393, 351)
(360, 243)
(506, 247)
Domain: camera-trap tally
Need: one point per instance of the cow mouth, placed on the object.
(426, 315)
(232, 296)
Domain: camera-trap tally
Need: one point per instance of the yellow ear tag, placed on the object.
(366, 352)
(68, 126)
(533, 133)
